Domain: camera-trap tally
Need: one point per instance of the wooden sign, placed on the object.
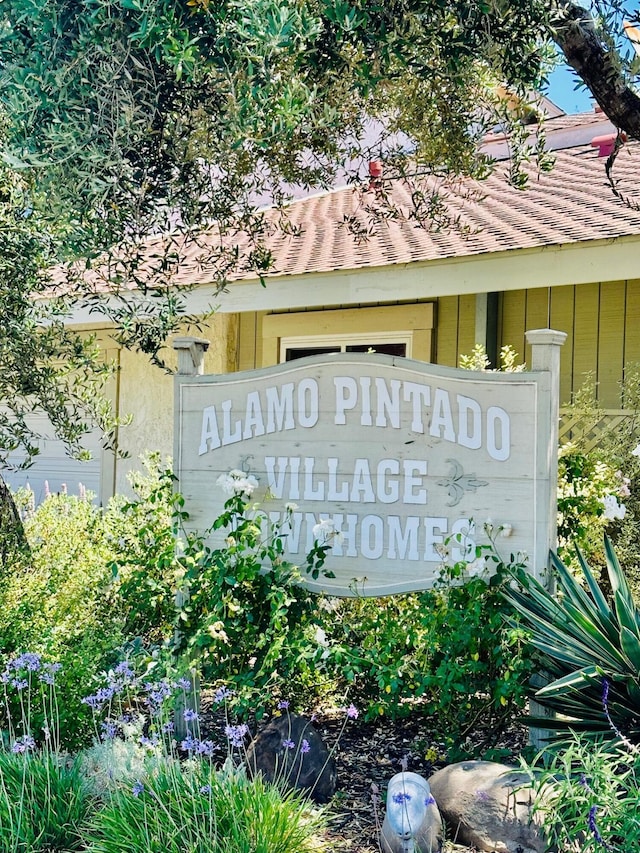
(389, 459)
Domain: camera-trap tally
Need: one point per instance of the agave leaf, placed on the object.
(616, 575)
(569, 682)
(573, 646)
(627, 616)
(630, 646)
(595, 590)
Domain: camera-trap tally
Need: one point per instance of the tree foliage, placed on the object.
(130, 119)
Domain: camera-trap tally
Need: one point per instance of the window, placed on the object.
(400, 330)
(389, 344)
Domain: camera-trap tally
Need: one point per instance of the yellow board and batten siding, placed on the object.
(601, 321)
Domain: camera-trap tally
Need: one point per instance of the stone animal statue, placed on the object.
(412, 823)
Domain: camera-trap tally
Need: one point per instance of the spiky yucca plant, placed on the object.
(589, 648)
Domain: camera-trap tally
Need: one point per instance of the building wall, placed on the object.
(601, 321)
(145, 393)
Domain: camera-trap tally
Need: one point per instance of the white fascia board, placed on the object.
(614, 259)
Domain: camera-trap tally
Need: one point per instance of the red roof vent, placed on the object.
(606, 143)
(375, 174)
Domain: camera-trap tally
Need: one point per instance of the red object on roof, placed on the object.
(606, 143)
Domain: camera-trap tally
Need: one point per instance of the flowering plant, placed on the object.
(243, 613)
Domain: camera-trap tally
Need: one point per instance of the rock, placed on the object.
(306, 765)
(489, 806)
(412, 821)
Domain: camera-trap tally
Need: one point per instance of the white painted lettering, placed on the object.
(346, 396)
(209, 438)
(371, 537)
(411, 482)
(388, 491)
(311, 492)
(434, 539)
(308, 402)
(253, 423)
(403, 544)
(498, 433)
(344, 544)
(469, 422)
(280, 408)
(335, 492)
(418, 395)
(441, 419)
(388, 403)
(361, 487)
(275, 481)
(365, 407)
(230, 434)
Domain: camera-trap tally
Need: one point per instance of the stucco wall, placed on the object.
(145, 392)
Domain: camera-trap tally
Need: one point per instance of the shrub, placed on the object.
(588, 795)
(446, 653)
(243, 616)
(60, 604)
(142, 535)
(611, 467)
(588, 649)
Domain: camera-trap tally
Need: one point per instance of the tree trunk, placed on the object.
(12, 536)
(598, 67)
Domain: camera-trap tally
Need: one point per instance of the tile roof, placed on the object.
(571, 204)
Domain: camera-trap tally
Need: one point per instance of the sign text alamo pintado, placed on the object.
(398, 455)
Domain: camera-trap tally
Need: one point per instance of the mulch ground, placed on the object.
(368, 754)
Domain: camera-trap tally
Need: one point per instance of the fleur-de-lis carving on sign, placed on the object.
(457, 483)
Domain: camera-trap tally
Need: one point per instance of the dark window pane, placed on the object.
(387, 349)
(303, 352)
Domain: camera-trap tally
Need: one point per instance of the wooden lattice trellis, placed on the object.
(590, 427)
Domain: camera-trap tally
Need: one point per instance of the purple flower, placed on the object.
(205, 747)
(288, 743)
(205, 789)
(29, 661)
(124, 669)
(236, 734)
(149, 742)
(402, 797)
(593, 827)
(47, 676)
(183, 683)
(97, 699)
(304, 747)
(352, 712)
(167, 728)
(189, 744)
(190, 715)
(222, 693)
(23, 744)
(283, 705)
(109, 730)
(137, 788)
(19, 683)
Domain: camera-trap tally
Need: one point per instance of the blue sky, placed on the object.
(563, 92)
